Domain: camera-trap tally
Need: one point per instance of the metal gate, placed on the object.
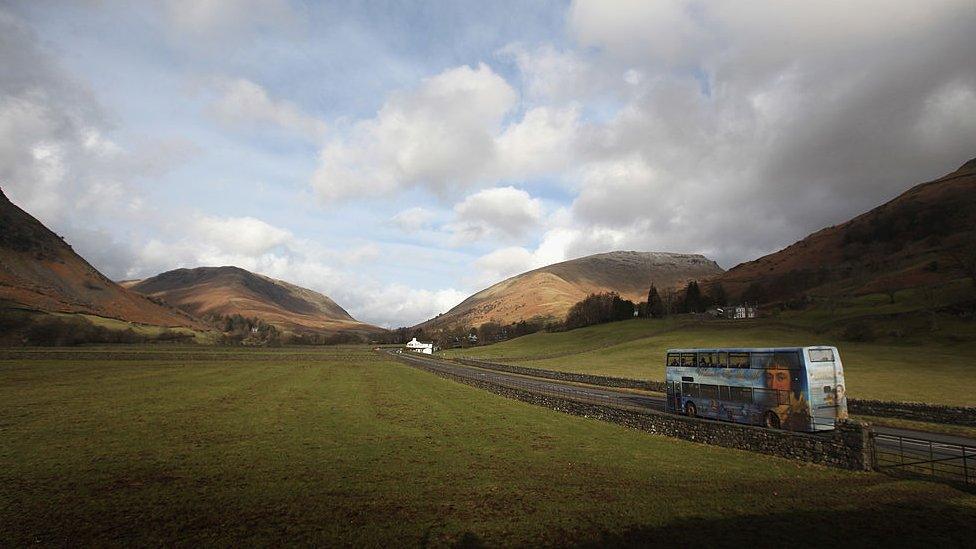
(945, 461)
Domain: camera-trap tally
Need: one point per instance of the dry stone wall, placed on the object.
(848, 447)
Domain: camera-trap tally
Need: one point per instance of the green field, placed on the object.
(910, 370)
(340, 446)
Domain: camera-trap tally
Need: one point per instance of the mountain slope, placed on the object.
(232, 290)
(39, 271)
(550, 291)
(908, 242)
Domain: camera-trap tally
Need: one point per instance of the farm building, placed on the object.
(420, 347)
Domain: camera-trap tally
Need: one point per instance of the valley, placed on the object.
(340, 445)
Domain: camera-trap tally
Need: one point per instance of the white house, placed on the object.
(418, 347)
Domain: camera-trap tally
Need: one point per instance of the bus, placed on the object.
(794, 388)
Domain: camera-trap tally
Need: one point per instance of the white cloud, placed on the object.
(502, 212)
(413, 219)
(437, 136)
(542, 142)
(400, 305)
(245, 105)
(240, 235)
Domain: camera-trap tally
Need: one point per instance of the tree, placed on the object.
(670, 301)
(599, 308)
(693, 298)
(754, 294)
(655, 307)
(717, 296)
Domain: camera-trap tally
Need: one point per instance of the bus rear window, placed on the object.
(821, 355)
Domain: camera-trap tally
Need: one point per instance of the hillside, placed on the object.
(915, 240)
(40, 272)
(232, 290)
(550, 291)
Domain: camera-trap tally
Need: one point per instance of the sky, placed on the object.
(400, 156)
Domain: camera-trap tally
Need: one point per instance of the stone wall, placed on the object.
(916, 411)
(847, 447)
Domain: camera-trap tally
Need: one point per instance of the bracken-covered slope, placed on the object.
(232, 290)
(550, 291)
(39, 271)
(909, 242)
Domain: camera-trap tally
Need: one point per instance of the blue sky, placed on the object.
(400, 156)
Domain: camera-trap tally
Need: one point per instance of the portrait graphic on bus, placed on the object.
(786, 386)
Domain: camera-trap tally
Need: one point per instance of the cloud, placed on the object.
(436, 136)
(57, 159)
(240, 235)
(727, 146)
(414, 219)
(400, 305)
(500, 212)
(226, 17)
(243, 104)
(542, 142)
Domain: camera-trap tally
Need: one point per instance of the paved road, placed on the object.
(892, 443)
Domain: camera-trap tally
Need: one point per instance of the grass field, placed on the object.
(340, 446)
(912, 370)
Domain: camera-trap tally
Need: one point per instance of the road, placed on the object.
(897, 448)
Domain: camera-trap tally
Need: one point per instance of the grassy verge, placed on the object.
(342, 446)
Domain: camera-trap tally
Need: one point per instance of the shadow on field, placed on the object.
(926, 523)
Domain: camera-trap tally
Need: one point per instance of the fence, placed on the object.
(939, 460)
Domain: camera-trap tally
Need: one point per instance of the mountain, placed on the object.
(550, 291)
(231, 290)
(40, 272)
(917, 239)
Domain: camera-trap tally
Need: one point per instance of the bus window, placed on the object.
(706, 360)
(789, 361)
(723, 392)
(709, 391)
(761, 360)
(689, 389)
(672, 359)
(821, 355)
(741, 394)
(723, 359)
(738, 360)
(688, 360)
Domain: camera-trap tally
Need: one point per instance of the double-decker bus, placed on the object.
(795, 388)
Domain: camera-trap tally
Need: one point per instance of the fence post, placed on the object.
(965, 463)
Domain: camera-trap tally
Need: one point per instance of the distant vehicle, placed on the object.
(794, 388)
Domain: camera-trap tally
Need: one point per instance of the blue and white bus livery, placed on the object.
(795, 388)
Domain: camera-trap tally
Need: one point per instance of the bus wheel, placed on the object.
(771, 420)
(691, 410)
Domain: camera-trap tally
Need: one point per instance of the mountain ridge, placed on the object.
(40, 271)
(230, 290)
(551, 290)
(902, 243)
